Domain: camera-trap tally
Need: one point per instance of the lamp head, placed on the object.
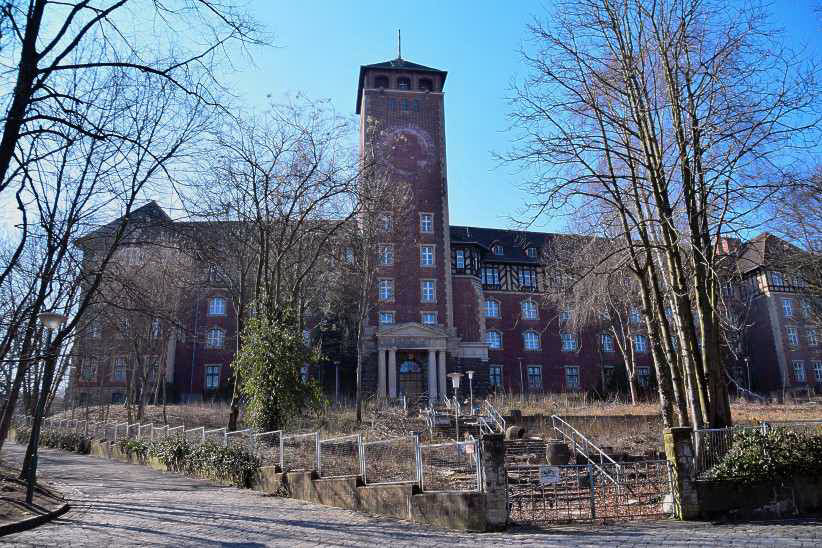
(470, 375)
(51, 320)
(455, 379)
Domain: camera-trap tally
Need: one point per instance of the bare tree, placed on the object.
(667, 121)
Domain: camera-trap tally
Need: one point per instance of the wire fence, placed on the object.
(340, 457)
(299, 451)
(453, 466)
(391, 461)
(267, 448)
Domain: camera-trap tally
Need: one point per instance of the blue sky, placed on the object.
(321, 44)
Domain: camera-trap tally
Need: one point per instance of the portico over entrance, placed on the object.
(411, 360)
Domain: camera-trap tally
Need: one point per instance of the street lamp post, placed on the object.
(521, 382)
(455, 384)
(748, 367)
(51, 321)
(471, 389)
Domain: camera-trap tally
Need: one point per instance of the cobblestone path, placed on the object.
(115, 504)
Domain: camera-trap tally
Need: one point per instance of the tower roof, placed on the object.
(398, 64)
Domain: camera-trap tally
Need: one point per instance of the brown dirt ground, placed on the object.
(13, 507)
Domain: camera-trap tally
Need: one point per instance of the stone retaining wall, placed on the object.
(764, 500)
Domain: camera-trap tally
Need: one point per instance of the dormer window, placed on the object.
(425, 84)
(381, 82)
(497, 249)
(404, 83)
(531, 252)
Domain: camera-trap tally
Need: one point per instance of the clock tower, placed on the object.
(402, 117)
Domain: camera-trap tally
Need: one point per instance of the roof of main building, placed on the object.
(398, 64)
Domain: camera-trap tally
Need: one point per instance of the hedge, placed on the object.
(778, 454)
(67, 441)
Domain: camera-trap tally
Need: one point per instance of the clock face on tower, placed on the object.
(408, 150)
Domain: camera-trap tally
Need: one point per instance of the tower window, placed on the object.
(381, 82)
(403, 83)
(425, 84)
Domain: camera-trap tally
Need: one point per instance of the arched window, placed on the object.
(215, 338)
(403, 83)
(497, 249)
(493, 339)
(425, 84)
(381, 81)
(491, 308)
(529, 310)
(216, 306)
(530, 340)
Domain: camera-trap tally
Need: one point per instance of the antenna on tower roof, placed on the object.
(399, 44)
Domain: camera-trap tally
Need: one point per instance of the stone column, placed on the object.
(432, 375)
(494, 481)
(441, 361)
(679, 450)
(392, 372)
(381, 373)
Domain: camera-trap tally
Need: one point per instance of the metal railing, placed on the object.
(195, 435)
(266, 446)
(492, 412)
(216, 435)
(240, 438)
(587, 449)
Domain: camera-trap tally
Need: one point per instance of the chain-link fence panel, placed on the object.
(340, 457)
(452, 466)
(266, 446)
(391, 461)
(299, 451)
(216, 436)
(195, 435)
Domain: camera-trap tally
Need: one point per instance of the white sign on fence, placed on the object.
(548, 474)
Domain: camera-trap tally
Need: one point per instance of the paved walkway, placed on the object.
(115, 504)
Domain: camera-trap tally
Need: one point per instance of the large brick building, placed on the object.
(458, 298)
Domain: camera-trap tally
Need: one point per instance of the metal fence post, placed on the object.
(418, 458)
(478, 464)
(282, 453)
(592, 491)
(317, 448)
(361, 451)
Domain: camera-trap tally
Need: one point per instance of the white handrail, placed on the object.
(584, 445)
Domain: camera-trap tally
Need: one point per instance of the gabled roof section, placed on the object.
(514, 242)
(148, 215)
(765, 251)
(398, 64)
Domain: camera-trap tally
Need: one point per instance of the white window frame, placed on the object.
(459, 259)
(428, 256)
(817, 370)
(606, 342)
(156, 328)
(492, 369)
(424, 297)
(642, 348)
(94, 329)
(529, 309)
(211, 340)
(787, 308)
(531, 251)
(432, 314)
(525, 341)
(643, 375)
(527, 278)
(426, 223)
(564, 315)
(497, 250)
(812, 339)
(214, 309)
(88, 365)
(385, 254)
(385, 290)
(537, 387)
(572, 372)
(798, 366)
(634, 316)
(119, 363)
(569, 342)
(385, 314)
(498, 307)
(805, 307)
(490, 269)
(348, 255)
(207, 376)
(489, 335)
(777, 279)
(793, 336)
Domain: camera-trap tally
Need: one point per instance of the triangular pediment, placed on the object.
(410, 329)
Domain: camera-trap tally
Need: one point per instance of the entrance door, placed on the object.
(412, 377)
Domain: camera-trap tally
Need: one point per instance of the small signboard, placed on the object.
(548, 474)
(469, 449)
